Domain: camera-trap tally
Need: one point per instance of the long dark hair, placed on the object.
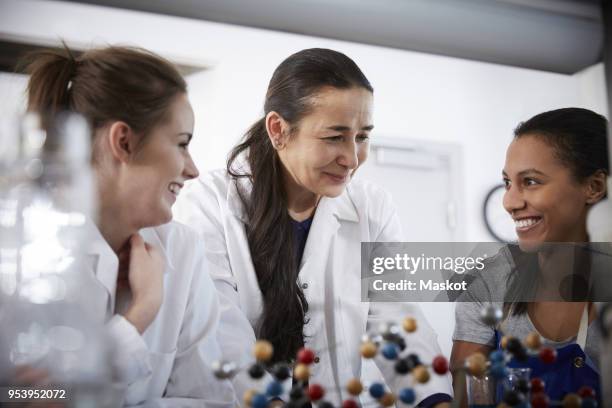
(269, 230)
(579, 139)
(107, 84)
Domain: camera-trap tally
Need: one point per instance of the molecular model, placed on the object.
(387, 342)
(524, 392)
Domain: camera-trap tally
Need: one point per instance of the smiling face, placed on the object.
(158, 170)
(542, 195)
(330, 143)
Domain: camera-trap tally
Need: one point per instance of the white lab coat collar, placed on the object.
(151, 235)
(106, 264)
(343, 207)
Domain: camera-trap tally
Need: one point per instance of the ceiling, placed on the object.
(562, 36)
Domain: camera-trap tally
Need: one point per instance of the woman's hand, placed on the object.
(145, 279)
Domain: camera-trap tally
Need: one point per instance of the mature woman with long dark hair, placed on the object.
(147, 284)
(284, 223)
(556, 170)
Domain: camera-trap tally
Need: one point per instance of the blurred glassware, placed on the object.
(481, 391)
(47, 207)
(487, 391)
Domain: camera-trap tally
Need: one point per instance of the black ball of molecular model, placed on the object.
(524, 392)
(388, 343)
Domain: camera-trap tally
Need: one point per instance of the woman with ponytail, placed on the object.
(147, 284)
(283, 225)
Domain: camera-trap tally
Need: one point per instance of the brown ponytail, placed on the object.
(108, 84)
(55, 69)
(269, 230)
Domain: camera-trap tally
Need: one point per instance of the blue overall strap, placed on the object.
(571, 370)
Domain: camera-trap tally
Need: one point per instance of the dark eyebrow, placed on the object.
(189, 135)
(341, 128)
(531, 171)
(525, 172)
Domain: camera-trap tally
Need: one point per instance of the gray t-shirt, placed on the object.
(468, 327)
(489, 287)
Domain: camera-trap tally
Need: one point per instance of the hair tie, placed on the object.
(73, 65)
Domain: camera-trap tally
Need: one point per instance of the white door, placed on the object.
(424, 180)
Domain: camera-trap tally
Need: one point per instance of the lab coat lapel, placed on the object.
(105, 267)
(324, 226)
(328, 216)
(152, 237)
(251, 298)
(319, 265)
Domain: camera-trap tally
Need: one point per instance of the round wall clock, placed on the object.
(496, 218)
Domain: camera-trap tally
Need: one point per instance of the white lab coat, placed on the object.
(169, 364)
(329, 274)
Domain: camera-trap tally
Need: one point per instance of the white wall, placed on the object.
(418, 96)
(592, 89)
(12, 95)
